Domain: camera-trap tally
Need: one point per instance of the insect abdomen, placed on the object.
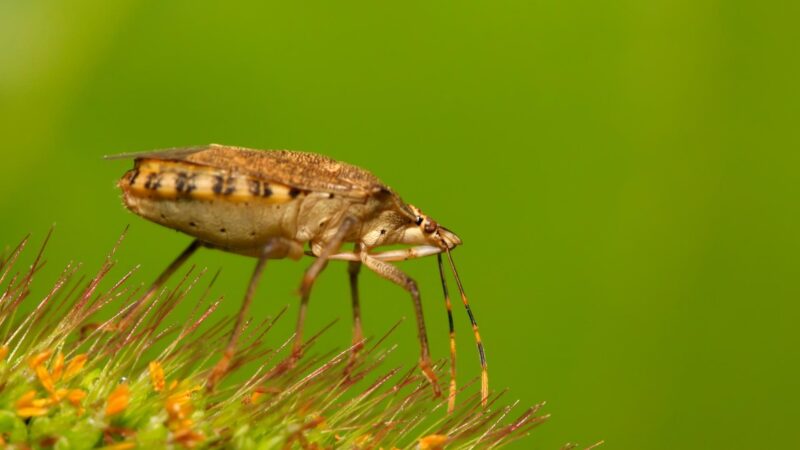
(228, 210)
(175, 180)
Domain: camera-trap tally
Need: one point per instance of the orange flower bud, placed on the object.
(118, 400)
(156, 376)
(32, 411)
(75, 396)
(433, 442)
(26, 399)
(38, 359)
(75, 366)
(58, 367)
(44, 377)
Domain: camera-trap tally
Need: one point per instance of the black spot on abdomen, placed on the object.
(181, 184)
(230, 186)
(153, 182)
(255, 188)
(133, 177)
(218, 183)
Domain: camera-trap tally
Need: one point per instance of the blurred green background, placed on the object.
(623, 174)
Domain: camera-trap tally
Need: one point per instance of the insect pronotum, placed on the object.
(270, 205)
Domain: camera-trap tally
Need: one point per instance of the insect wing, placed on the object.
(305, 171)
(175, 154)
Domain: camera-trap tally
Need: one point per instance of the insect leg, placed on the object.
(311, 275)
(275, 249)
(451, 402)
(402, 254)
(353, 268)
(142, 302)
(398, 277)
(478, 342)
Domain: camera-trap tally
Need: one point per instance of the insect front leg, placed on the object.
(311, 275)
(398, 277)
(276, 248)
(402, 254)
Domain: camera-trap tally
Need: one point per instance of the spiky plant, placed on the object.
(68, 381)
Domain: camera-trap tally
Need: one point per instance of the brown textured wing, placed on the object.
(307, 171)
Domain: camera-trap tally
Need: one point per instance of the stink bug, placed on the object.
(269, 205)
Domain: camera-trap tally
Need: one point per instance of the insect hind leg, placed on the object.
(276, 248)
(157, 284)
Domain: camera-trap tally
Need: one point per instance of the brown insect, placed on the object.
(269, 205)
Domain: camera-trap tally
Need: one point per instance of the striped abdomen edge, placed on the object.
(152, 178)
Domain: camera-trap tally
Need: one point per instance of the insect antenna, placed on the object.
(481, 353)
(451, 402)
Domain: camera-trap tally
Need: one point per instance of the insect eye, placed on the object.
(419, 220)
